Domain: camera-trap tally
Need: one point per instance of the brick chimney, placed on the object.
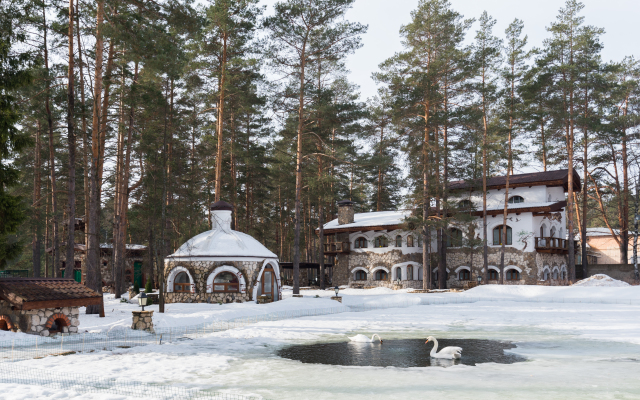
(345, 212)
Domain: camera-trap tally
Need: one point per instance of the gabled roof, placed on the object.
(548, 178)
(31, 293)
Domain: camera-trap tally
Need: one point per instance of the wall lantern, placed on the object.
(143, 300)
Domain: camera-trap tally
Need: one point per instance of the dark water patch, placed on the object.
(404, 353)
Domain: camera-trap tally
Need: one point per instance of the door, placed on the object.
(137, 273)
(268, 282)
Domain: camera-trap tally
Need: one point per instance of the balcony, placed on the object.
(551, 245)
(337, 247)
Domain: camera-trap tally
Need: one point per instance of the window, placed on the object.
(361, 243)
(381, 241)
(398, 241)
(226, 282)
(181, 283)
(516, 200)
(555, 274)
(454, 238)
(465, 204)
(381, 275)
(464, 275)
(361, 275)
(398, 274)
(493, 275)
(409, 272)
(564, 275)
(497, 235)
(513, 275)
(410, 241)
(553, 232)
(546, 275)
(420, 240)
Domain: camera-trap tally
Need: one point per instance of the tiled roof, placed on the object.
(548, 178)
(27, 293)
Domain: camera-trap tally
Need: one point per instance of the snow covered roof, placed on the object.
(601, 232)
(376, 218)
(222, 241)
(128, 246)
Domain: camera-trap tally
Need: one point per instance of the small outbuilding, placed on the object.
(221, 266)
(43, 306)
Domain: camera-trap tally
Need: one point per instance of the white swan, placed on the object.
(363, 338)
(451, 352)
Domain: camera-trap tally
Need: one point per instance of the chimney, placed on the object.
(221, 215)
(345, 212)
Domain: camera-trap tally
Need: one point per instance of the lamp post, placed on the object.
(143, 300)
(337, 289)
(479, 279)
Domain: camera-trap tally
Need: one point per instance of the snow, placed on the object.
(601, 280)
(376, 218)
(575, 349)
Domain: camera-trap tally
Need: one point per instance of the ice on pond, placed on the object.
(403, 353)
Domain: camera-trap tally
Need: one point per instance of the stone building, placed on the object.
(379, 248)
(43, 306)
(221, 265)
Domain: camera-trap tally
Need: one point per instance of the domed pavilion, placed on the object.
(221, 265)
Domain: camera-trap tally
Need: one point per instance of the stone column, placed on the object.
(142, 320)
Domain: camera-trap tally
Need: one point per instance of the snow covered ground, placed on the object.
(575, 350)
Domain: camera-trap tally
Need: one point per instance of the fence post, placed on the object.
(36, 347)
(61, 340)
(83, 334)
(13, 342)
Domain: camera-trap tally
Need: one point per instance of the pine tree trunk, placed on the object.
(37, 186)
(71, 138)
(94, 273)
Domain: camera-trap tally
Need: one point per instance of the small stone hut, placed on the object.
(43, 306)
(221, 266)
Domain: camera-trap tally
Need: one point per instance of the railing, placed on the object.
(14, 273)
(337, 247)
(551, 244)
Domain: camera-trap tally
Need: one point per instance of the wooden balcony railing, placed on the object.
(551, 245)
(336, 247)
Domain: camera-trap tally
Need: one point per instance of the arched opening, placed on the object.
(493, 275)
(360, 275)
(516, 200)
(381, 241)
(57, 325)
(398, 241)
(410, 241)
(454, 238)
(464, 204)
(398, 274)
(226, 281)
(513, 275)
(360, 243)
(553, 232)
(555, 274)
(181, 283)
(3, 325)
(564, 275)
(497, 235)
(409, 272)
(381, 275)
(545, 276)
(464, 275)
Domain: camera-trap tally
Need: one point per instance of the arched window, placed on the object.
(464, 275)
(555, 274)
(564, 275)
(436, 275)
(381, 275)
(410, 241)
(409, 272)
(398, 274)
(516, 200)
(546, 275)
(360, 243)
(361, 275)
(513, 275)
(181, 283)
(226, 282)
(465, 204)
(493, 275)
(420, 240)
(454, 238)
(553, 231)
(381, 241)
(497, 235)
(398, 241)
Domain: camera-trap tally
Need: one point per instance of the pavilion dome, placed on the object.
(222, 241)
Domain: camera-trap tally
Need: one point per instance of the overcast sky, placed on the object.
(384, 17)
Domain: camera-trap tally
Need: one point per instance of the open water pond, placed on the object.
(403, 353)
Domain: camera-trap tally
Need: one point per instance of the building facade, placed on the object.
(380, 249)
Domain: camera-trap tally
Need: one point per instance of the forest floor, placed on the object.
(574, 349)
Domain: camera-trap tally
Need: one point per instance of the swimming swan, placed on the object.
(450, 352)
(363, 338)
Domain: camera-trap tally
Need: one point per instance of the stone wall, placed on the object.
(39, 321)
(370, 261)
(200, 271)
(623, 272)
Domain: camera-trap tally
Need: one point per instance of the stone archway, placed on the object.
(57, 322)
(5, 323)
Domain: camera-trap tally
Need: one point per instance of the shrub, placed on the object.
(148, 288)
(136, 288)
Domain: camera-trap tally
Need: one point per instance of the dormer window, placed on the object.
(516, 200)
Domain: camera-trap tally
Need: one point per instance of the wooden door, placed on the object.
(268, 282)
